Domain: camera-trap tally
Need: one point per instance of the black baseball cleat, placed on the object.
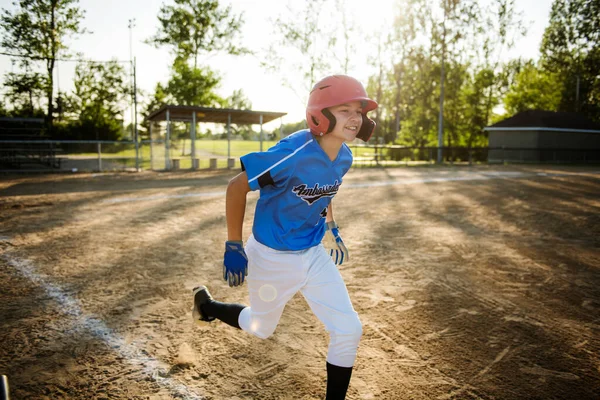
(4, 391)
(201, 296)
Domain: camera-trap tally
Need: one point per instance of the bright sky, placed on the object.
(110, 38)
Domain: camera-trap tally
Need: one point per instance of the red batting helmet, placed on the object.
(332, 91)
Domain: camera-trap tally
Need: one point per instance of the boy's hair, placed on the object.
(332, 91)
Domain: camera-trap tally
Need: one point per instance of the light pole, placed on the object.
(441, 117)
(131, 25)
(134, 131)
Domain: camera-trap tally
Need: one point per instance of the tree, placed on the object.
(187, 86)
(421, 100)
(401, 42)
(159, 99)
(464, 38)
(571, 48)
(534, 89)
(239, 101)
(496, 31)
(101, 91)
(3, 110)
(288, 129)
(194, 27)
(37, 30)
(305, 37)
(348, 32)
(193, 86)
(455, 105)
(375, 85)
(425, 38)
(479, 99)
(24, 92)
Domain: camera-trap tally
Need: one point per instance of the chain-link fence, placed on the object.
(367, 155)
(94, 156)
(201, 153)
(68, 155)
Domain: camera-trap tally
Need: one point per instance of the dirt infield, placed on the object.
(471, 283)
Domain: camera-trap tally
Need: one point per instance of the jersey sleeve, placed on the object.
(268, 167)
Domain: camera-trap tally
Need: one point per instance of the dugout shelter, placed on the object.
(544, 136)
(195, 114)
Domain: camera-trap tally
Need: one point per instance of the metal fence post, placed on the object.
(151, 153)
(99, 157)
(229, 137)
(167, 144)
(261, 132)
(193, 140)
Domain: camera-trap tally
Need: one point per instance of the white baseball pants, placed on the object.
(274, 277)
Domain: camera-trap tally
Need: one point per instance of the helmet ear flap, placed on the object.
(327, 124)
(366, 129)
(330, 118)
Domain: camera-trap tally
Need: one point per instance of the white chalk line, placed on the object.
(484, 176)
(70, 306)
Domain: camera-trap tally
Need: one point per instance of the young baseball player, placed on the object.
(295, 242)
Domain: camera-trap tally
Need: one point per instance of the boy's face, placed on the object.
(348, 119)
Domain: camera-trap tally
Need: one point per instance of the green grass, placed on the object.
(207, 149)
(213, 147)
(238, 148)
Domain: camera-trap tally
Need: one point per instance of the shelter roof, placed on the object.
(216, 115)
(546, 120)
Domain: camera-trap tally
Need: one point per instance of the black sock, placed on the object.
(226, 312)
(338, 379)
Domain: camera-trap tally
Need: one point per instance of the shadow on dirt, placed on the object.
(119, 182)
(514, 298)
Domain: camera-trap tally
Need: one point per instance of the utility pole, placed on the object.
(135, 127)
(577, 95)
(131, 25)
(134, 130)
(441, 118)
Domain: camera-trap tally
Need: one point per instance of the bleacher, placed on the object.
(23, 145)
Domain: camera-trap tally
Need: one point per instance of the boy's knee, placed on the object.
(261, 331)
(350, 328)
(263, 335)
(257, 325)
(355, 328)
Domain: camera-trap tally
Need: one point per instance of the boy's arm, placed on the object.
(235, 261)
(329, 217)
(235, 205)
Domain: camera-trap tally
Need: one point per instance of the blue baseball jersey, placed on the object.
(297, 181)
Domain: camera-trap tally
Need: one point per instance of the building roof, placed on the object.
(216, 115)
(547, 120)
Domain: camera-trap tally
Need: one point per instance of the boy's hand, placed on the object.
(333, 242)
(235, 263)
